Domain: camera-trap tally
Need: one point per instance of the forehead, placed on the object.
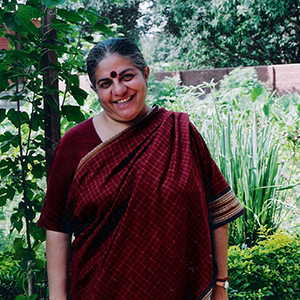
(113, 63)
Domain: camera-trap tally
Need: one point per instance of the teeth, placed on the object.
(124, 100)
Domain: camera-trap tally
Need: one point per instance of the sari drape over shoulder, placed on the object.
(142, 207)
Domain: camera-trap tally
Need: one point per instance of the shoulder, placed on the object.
(80, 133)
(74, 144)
(178, 116)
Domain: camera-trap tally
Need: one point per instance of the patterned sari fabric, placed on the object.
(142, 207)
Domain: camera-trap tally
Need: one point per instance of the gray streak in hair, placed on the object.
(120, 46)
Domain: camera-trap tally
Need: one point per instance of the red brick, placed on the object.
(282, 78)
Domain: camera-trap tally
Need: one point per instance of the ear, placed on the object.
(147, 73)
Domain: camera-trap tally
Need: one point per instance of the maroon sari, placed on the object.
(142, 207)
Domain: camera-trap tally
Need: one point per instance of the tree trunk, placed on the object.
(51, 95)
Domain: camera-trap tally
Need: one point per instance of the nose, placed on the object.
(118, 88)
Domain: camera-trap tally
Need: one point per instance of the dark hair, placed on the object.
(120, 46)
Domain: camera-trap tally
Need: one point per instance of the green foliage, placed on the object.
(22, 85)
(225, 33)
(125, 15)
(269, 270)
(245, 128)
(163, 92)
(9, 288)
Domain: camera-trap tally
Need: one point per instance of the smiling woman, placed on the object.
(122, 97)
(139, 191)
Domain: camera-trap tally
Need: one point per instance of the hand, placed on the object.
(219, 293)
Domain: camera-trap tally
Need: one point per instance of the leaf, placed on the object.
(60, 25)
(39, 264)
(73, 113)
(25, 255)
(26, 14)
(2, 114)
(255, 93)
(20, 297)
(6, 140)
(37, 170)
(79, 94)
(38, 233)
(4, 169)
(88, 38)
(52, 3)
(103, 28)
(266, 110)
(91, 16)
(11, 21)
(30, 214)
(74, 79)
(3, 197)
(57, 48)
(19, 225)
(70, 16)
(14, 117)
(7, 193)
(18, 243)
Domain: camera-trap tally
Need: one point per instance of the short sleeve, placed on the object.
(223, 206)
(74, 145)
(53, 216)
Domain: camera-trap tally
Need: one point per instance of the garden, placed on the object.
(253, 134)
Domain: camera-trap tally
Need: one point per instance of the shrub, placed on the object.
(15, 271)
(269, 270)
(8, 285)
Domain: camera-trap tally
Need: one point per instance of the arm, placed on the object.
(220, 241)
(57, 251)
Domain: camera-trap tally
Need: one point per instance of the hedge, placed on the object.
(268, 270)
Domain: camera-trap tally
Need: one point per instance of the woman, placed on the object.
(137, 188)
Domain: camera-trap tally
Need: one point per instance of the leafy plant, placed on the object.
(243, 124)
(46, 44)
(226, 33)
(9, 288)
(269, 270)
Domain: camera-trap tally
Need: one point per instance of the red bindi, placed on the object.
(113, 74)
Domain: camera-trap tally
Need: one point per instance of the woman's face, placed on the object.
(121, 88)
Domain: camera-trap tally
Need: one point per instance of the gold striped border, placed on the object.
(224, 208)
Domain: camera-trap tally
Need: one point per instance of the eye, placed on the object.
(128, 77)
(105, 84)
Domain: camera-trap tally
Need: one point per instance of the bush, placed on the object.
(8, 285)
(14, 275)
(269, 270)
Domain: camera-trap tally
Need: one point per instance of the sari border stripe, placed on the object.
(112, 139)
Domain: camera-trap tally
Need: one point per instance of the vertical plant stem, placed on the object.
(254, 136)
(24, 185)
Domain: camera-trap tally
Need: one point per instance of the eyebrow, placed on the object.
(120, 74)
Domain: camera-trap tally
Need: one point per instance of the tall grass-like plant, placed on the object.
(248, 158)
(243, 141)
(240, 123)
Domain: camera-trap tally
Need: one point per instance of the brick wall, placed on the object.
(4, 44)
(282, 78)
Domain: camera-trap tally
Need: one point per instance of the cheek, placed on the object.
(102, 95)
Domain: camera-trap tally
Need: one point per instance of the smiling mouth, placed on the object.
(124, 101)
